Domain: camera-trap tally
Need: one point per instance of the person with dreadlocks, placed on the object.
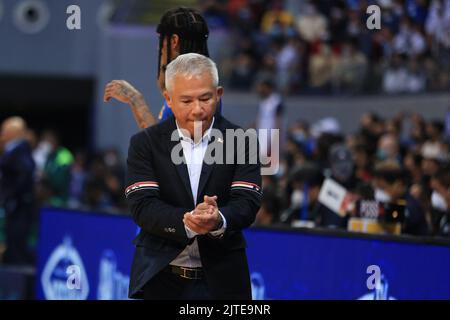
(181, 30)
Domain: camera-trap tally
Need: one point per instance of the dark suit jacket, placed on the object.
(16, 173)
(159, 194)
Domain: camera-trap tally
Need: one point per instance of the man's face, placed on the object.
(396, 189)
(438, 187)
(193, 99)
(6, 133)
(263, 90)
(429, 166)
(3, 136)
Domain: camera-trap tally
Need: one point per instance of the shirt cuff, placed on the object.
(220, 231)
(190, 234)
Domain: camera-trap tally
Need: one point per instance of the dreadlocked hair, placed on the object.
(191, 29)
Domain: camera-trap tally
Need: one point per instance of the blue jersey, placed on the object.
(166, 112)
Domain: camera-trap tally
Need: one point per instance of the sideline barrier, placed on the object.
(83, 255)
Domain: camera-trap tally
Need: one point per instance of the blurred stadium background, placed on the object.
(368, 109)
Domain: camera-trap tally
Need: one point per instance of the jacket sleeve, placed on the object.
(22, 167)
(149, 212)
(245, 190)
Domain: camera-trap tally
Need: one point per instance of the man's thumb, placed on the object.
(210, 199)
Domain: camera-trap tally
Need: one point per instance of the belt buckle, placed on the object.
(184, 275)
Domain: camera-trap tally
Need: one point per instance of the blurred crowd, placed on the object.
(76, 179)
(37, 170)
(325, 46)
(400, 163)
(402, 160)
(282, 48)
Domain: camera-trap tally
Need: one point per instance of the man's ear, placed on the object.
(168, 99)
(219, 91)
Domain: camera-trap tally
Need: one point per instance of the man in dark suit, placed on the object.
(192, 212)
(16, 190)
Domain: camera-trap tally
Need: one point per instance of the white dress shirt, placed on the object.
(194, 154)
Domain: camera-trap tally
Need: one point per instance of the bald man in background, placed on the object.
(16, 190)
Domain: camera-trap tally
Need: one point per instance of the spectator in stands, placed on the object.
(98, 196)
(440, 202)
(416, 80)
(438, 23)
(432, 157)
(393, 180)
(215, 14)
(78, 176)
(371, 128)
(350, 70)
(303, 194)
(40, 155)
(114, 176)
(407, 50)
(418, 11)
(435, 132)
(320, 69)
(388, 148)
(243, 72)
(363, 162)
(342, 171)
(269, 116)
(56, 175)
(276, 21)
(288, 64)
(409, 40)
(418, 130)
(271, 204)
(395, 76)
(311, 24)
(16, 190)
(300, 135)
(433, 151)
(412, 163)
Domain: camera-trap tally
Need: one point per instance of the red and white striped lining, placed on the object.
(245, 186)
(143, 185)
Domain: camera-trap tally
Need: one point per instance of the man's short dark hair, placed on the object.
(443, 176)
(268, 82)
(391, 173)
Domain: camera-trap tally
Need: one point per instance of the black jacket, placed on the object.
(16, 173)
(159, 194)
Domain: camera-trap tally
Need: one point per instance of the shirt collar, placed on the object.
(206, 135)
(12, 144)
(272, 98)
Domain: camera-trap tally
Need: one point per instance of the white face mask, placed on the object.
(438, 202)
(110, 160)
(381, 195)
(297, 198)
(44, 147)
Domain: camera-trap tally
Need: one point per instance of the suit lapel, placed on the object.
(207, 168)
(181, 168)
(204, 175)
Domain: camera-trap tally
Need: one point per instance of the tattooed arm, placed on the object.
(126, 93)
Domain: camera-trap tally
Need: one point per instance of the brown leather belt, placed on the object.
(187, 273)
